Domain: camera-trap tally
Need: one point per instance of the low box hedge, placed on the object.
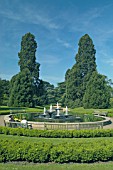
(37, 152)
(57, 133)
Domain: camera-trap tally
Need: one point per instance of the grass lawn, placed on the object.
(6, 110)
(90, 111)
(52, 166)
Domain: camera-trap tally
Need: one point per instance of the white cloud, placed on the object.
(37, 17)
(85, 22)
(63, 43)
(27, 15)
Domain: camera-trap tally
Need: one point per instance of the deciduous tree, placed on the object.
(97, 94)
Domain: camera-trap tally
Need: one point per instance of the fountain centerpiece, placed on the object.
(51, 108)
(50, 111)
(44, 112)
(66, 112)
(56, 114)
(58, 110)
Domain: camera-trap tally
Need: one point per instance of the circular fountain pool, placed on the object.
(56, 114)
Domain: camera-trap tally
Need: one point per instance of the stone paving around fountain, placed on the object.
(2, 120)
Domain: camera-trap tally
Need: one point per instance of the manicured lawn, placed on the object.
(6, 110)
(89, 111)
(52, 166)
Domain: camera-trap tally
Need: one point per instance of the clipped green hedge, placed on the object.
(12, 150)
(57, 133)
(38, 152)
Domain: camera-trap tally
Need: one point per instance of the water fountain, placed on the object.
(66, 112)
(44, 111)
(57, 116)
(55, 113)
(51, 108)
(58, 113)
(50, 112)
(58, 110)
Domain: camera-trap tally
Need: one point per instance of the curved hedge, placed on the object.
(57, 133)
(13, 150)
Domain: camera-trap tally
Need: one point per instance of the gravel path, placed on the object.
(110, 126)
(1, 120)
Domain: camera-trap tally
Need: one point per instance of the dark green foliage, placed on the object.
(97, 94)
(4, 88)
(27, 56)
(50, 93)
(24, 87)
(12, 90)
(78, 77)
(38, 152)
(22, 91)
(84, 85)
(111, 102)
(27, 52)
(60, 92)
(4, 92)
(47, 93)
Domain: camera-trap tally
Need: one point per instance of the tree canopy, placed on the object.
(83, 85)
(78, 77)
(97, 94)
(24, 86)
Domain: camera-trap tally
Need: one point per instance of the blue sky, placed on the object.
(57, 26)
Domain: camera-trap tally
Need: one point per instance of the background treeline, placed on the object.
(83, 85)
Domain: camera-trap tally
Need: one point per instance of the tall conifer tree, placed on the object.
(24, 86)
(78, 76)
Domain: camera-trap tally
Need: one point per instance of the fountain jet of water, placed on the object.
(44, 111)
(57, 106)
(66, 111)
(51, 108)
(58, 112)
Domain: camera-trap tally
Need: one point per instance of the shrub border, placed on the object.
(89, 133)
